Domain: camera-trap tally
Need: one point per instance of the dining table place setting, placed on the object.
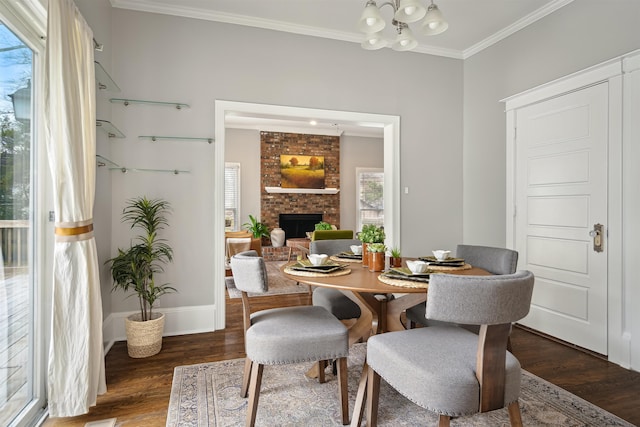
(442, 261)
(317, 265)
(415, 275)
(353, 255)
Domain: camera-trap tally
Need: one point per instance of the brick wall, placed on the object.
(272, 145)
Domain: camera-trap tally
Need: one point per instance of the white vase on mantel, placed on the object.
(277, 237)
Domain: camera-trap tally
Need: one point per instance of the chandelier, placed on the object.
(405, 12)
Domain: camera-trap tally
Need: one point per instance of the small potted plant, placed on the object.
(258, 229)
(134, 270)
(396, 257)
(376, 256)
(370, 233)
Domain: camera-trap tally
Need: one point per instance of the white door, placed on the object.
(560, 193)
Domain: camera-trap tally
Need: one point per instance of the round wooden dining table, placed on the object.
(381, 304)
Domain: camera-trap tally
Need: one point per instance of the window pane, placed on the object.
(371, 198)
(231, 196)
(16, 296)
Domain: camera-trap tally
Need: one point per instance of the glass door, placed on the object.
(20, 339)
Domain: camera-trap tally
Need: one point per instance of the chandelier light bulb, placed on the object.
(371, 21)
(374, 41)
(409, 11)
(434, 22)
(405, 40)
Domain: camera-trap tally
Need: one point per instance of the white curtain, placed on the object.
(76, 355)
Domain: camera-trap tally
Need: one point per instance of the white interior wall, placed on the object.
(355, 152)
(243, 146)
(198, 62)
(579, 35)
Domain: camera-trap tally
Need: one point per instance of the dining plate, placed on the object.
(398, 276)
(406, 272)
(448, 261)
(317, 268)
(349, 255)
(327, 267)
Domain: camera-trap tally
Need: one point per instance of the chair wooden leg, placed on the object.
(246, 376)
(373, 395)
(322, 366)
(343, 389)
(514, 414)
(254, 393)
(358, 406)
(443, 421)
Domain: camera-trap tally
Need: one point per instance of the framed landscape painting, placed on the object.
(301, 171)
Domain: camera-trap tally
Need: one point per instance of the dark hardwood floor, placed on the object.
(139, 389)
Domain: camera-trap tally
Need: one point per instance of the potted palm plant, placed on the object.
(133, 270)
(257, 228)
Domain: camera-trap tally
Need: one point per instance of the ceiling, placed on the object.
(336, 19)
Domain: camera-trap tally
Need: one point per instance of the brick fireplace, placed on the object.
(272, 145)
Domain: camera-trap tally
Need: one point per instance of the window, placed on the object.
(370, 191)
(231, 196)
(21, 338)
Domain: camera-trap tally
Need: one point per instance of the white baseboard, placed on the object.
(178, 321)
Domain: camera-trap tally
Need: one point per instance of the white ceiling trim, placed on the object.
(230, 18)
(516, 26)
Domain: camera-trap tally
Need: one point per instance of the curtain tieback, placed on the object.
(73, 231)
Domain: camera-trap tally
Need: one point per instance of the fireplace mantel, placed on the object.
(302, 190)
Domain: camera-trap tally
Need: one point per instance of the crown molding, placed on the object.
(353, 37)
(230, 18)
(516, 26)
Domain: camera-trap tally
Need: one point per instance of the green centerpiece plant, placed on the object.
(376, 256)
(370, 233)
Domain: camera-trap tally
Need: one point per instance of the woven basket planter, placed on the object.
(144, 339)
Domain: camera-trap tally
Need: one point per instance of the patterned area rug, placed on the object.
(278, 283)
(208, 394)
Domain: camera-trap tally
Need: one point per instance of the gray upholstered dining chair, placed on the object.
(494, 260)
(285, 335)
(333, 300)
(449, 370)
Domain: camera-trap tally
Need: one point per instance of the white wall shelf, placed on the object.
(127, 102)
(302, 190)
(155, 138)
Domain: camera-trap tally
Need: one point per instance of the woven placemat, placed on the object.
(338, 259)
(402, 283)
(293, 272)
(447, 268)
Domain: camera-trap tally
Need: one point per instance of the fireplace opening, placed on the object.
(297, 225)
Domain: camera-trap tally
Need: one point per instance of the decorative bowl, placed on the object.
(417, 266)
(441, 255)
(356, 249)
(318, 259)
